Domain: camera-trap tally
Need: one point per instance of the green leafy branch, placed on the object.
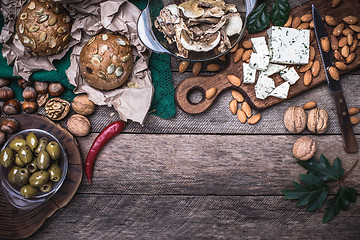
(259, 19)
(313, 191)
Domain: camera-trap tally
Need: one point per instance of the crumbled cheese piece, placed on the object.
(281, 91)
(260, 46)
(259, 61)
(249, 73)
(290, 75)
(264, 86)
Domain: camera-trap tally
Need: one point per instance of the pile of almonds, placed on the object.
(352, 112)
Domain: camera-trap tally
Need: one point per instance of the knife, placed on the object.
(347, 132)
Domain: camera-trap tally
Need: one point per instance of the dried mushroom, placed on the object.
(199, 26)
(57, 108)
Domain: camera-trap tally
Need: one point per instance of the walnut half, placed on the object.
(304, 148)
(57, 108)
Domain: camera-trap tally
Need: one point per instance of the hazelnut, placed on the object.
(318, 121)
(11, 107)
(295, 119)
(4, 82)
(29, 93)
(23, 83)
(29, 107)
(6, 93)
(41, 87)
(9, 125)
(304, 148)
(79, 125)
(2, 138)
(42, 98)
(57, 108)
(82, 105)
(55, 89)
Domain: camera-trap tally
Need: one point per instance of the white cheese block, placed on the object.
(264, 86)
(289, 45)
(290, 75)
(260, 45)
(259, 61)
(272, 69)
(281, 91)
(249, 73)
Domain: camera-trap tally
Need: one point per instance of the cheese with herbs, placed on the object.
(290, 75)
(272, 69)
(249, 73)
(264, 86)
(260, 46)
(259, 61)
(281, 91)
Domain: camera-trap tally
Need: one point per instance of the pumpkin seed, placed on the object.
(132, 85)
(98, 57)
(91, 41)
(66, 38)
(48, 52)
(59, 49)
(102, 75)
(62, 29)
(125, 58)
(32, 44)
(95, 62)
(103, 49)
(43, 37)
(105, 37)
(21, 28)
(111, 69)
(66, 46)
(52, 42)
(119, 71)
(42, 18)
(52, 21)
(32, 6)
(23, 16)
(26, 39)
(121, 42)
(67, 19)
(39, 12)
(33, 28)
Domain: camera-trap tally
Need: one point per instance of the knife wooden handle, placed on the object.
(349, 141)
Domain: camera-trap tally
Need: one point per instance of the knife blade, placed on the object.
(349, 141)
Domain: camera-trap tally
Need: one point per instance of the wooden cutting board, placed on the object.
(220, 81)
(16, 223)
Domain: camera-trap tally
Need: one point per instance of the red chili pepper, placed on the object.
(106, 134)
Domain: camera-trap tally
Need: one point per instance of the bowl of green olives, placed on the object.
(33, 166)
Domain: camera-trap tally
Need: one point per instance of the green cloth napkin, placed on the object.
(162, 105)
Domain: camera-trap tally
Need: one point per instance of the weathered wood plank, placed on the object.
(194, 217)
(203, 164)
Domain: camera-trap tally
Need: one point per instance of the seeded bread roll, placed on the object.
(43, 27)
(106, 61)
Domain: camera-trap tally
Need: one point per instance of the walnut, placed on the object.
(79, 125)
(295, 119)
(304, 148)
(82, 105)
(318, 121)
(57, 108)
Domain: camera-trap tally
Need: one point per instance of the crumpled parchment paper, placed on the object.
(90, 17)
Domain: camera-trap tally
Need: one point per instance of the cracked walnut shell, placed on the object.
(57, 108)
(318, 120)
(304, 148)
(295, 119)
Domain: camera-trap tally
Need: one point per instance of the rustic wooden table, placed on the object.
(206, 176)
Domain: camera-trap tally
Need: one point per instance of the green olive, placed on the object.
(22, 176)
(55, 172)
(31, 140)
(28, 191)
(25, 154)
(46, 187)
(43, 160)
(54, 150)
(16, 144)
(32, 167)
(18, 162)
(39, 178)
(42, 145)
(12, 173)
(6, 157)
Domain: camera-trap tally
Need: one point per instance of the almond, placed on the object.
(358, 36)
(296, 22)
(311, 53)
(350, 20)
(213, 67)
(341, 66)
(306, 18)
(222, 58)
(347, 31)
(335, 3)
(246, 108)
(234, 48)
(241, 116)
(315, 69)
(350, 58)
(325, 44)
(309, 105)
(350, 39)
(237, 96)
(330, 21)
(183, 66)
(334, 43)
(311, 25)
(356, 28)
(312, 36)
(196, 68)
(338, 29)
(247, 54)
(353, 110)
(289, 21)
(306, 67)
(354, 45)
(247, 44)
(233, 105)
(238, 55)
(334, 73)
(254, 119)
(307, 78)
(303, 26)
(210, 93)
(354, 120)
(345, 51)
(338, 56)
(342, 42)
(234, 80)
